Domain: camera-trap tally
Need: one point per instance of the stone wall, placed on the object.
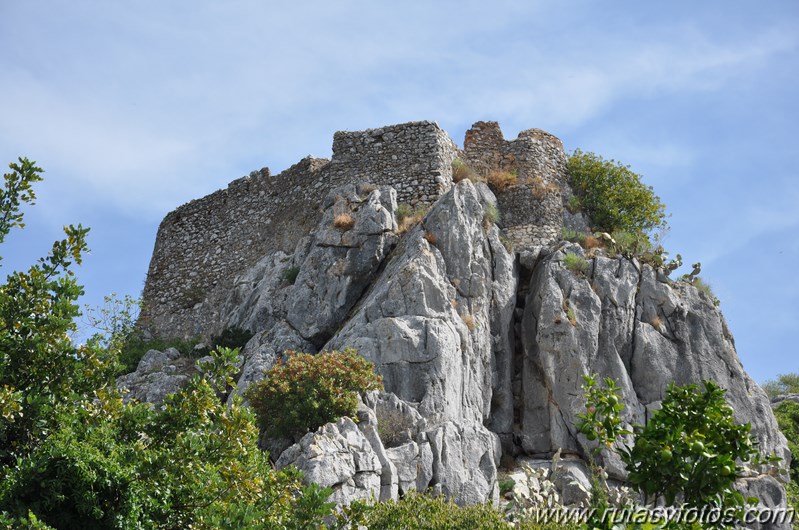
(203, 245)
(532, 210)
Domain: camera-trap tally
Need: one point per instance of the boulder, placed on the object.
(340, 457)
(158, 374)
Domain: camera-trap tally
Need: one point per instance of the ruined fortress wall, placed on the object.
(203, 245)
(532, 210)
(415, 158)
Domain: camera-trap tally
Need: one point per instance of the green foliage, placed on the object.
(573, 236)
(403, 210)
(613, 195)
(576, 264)
(233, 337)
(506, 485)
(787, 414)
(630, 244)
(574, 204)
(491, 215)
(602, 421)
(421, 512)
(290, 274)
(784, 384)
(74, 455)
(461, 170)
(702, 286)
(307, 391)
(691, 447)
(17, 190)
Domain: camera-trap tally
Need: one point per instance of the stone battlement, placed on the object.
(203, 245)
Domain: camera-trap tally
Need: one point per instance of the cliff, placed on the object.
(480, 331)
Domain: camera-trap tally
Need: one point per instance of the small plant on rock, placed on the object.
(461, 170)
(500, 180)
(290, 274)
(576, 264)
(306, 391)
(490, 215)
(344, 221)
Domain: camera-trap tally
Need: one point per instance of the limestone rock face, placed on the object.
(157, 375)
(426, 324)
(482, 351)
(338, 456)
(348, 246)
(631, 323)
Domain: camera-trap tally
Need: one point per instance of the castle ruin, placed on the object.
(203, 245)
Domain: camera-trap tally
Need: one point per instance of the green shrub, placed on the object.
(307, 391)
(574, 204)
(573, 236)
(290, 274)
(491, 214)
(403, 210)
(691, 448)
(701, 286)
(630, 244)
(576, 264)
(613, 195)
(233, 337)
(506, 485)
(787, 414)
(422, 512)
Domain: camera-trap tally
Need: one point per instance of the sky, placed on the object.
(135, 107)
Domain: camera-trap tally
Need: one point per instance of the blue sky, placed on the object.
(134, 108)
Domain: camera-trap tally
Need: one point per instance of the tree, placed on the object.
(613, 195)
(690, 449)
(74, 454)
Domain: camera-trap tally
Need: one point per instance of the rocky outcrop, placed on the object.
(629, 322)
(157, 375)
(482, 351)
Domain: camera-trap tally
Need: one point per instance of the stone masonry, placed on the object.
(203, 245)
(531, 210)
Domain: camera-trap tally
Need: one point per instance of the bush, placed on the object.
(307, 391)
(576, 264)
(613, 195)
(135, 347)
(491, 215)
(461, 170)
(691, 449)
(787, 414)
(343, 221)
(421, 512)
(290, 274)
(408, 217)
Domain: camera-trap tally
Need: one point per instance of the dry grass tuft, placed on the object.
(501, 180)
(469, 321)
(656, 322)
(343, 221)
(461, 170)
(592, 242)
